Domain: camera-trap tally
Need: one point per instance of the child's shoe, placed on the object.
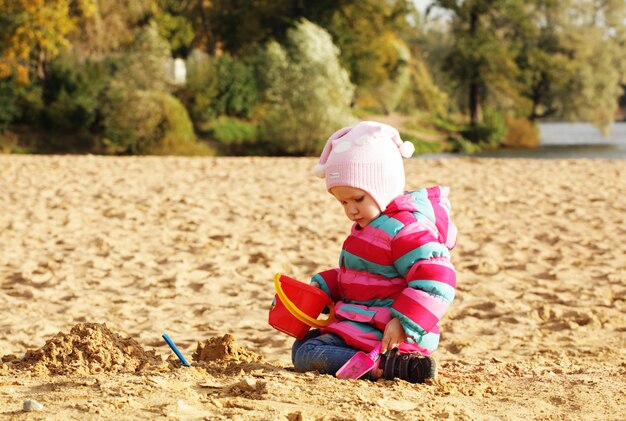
(412, 367)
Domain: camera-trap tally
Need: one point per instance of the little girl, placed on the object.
(395, 280)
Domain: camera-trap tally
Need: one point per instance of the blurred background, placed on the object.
(276, 77)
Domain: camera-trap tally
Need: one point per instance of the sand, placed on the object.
(99, 256)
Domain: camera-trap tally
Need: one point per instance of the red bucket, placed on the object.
(296, 307)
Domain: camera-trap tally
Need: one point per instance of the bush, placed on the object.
(459, 144)
(201, 88)
(476, 134)
(31, 105)
(219, 86)
(236, 137)
(521, 133)
(237, 91)
(148, 122)
(71, 95)
(142, 66)
(230, 131)
(491, 132)
(8, 103)
(446, 125)
(308, 92)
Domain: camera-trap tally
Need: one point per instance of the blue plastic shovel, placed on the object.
(175, 349)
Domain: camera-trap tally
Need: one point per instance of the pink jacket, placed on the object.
(397, 266)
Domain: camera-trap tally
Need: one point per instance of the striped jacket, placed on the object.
(397, 266)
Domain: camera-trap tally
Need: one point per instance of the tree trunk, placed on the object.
(209, 38)
(474, 103)
(474, 84)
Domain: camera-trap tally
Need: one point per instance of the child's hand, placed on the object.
(315, 284)
(393, 336)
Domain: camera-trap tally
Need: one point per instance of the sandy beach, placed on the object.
(99, 256)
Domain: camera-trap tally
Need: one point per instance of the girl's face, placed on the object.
(358, 205)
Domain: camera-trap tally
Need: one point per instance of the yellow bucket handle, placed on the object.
(299, 314)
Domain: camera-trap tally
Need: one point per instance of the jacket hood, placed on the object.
(430, 206)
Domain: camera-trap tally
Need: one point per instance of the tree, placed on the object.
(424, 91)
(392, 88)
(111, 26)
(538, 59)
(141, 65)
(138, 112)
(575, 60)
(33, 32)
(175, 25)
(308, 92)
(482, 57)
(239, 27)
(367, 32)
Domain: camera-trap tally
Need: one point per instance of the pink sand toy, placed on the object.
(297, 306)
(360, 364)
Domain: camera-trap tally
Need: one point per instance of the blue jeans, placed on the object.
(324, 353)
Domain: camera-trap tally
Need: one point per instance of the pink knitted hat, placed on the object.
(367, 156)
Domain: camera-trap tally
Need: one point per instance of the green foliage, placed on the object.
(178, 31)
(139, 115)
(533, 59)
(8, 103)
(201, 89)
(372, 37)
(459, 144)
(496, 122)
(481, 60)
(423, 146)
(491, 132)
(558, 60)
(444, 124)
(390, 91)
(231, 131)
(142, 66)
(32, 33)
(148, 122)
(237, 91)
(30, 104)
(219, 86)
(308, 93)
(239, 27)
(422, 93)
(111, 28)
(574, 67)
(367, 34)
(236, 137)
(71, 94)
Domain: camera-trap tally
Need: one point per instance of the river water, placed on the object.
(570, 141)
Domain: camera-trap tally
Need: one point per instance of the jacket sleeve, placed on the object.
(425, 264)
(329, 283)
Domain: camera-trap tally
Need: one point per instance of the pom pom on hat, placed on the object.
(406, 149)
(320, 170)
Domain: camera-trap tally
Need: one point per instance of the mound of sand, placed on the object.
(223, 349)
(90, 348)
